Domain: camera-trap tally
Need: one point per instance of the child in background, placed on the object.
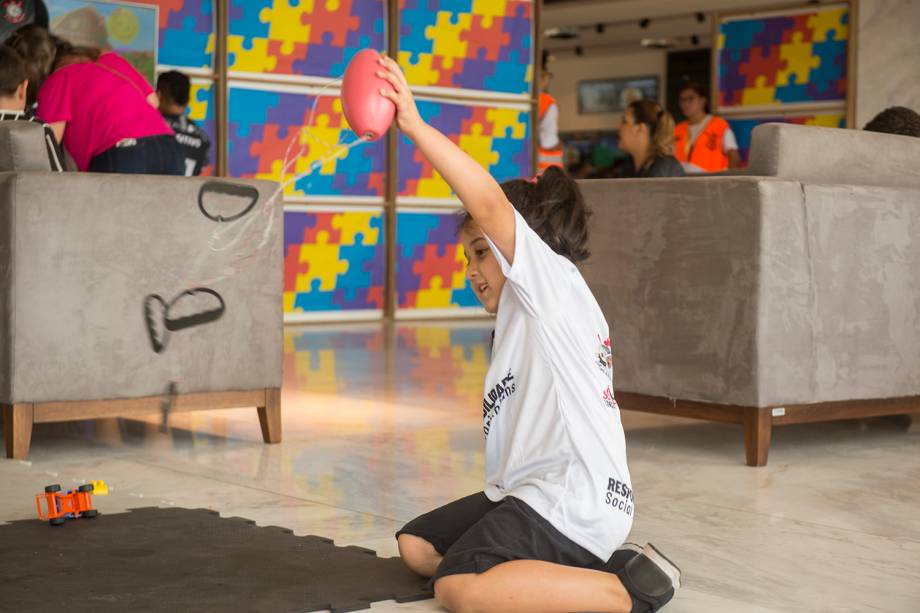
(14, 85)
(173, 90)
(545, 533)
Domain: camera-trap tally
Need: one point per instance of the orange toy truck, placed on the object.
(61, 507)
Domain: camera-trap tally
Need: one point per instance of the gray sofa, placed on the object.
(789, 293)
(124, 294)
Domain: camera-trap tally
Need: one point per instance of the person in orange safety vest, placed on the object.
(703, 142)
(550, 153)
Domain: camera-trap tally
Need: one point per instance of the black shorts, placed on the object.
(474, 534)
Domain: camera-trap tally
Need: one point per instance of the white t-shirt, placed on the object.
(549, 128)
(553, 432)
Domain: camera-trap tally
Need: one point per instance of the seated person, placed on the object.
(173, 90)
(100, 107)
(13, 87)
(647, 135)
(896, 120)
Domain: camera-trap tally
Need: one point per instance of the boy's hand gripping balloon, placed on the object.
(368, 113)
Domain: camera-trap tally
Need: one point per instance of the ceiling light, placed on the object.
(560, 33)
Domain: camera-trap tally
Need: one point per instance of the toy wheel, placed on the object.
(86, 487)
(52, 488)
(90, 514)
(57, 521)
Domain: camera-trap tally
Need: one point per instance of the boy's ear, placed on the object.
(21, 90)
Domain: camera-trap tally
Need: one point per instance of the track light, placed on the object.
(694, 40)
(599, 28)
(579, 51)
(700, 17)
(644, 23)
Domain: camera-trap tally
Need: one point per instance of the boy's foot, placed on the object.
(650, 578)
(621, 556)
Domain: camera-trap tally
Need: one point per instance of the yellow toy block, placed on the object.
(100, 488)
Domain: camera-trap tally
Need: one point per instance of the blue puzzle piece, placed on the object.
(793, 92)
(315, 300)
(740, 34)
(514, 71)
(246, 20)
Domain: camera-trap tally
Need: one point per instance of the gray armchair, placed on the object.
(124, 294)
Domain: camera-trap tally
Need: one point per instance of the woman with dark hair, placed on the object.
(647, 135)
(703, 142)
(100, 108)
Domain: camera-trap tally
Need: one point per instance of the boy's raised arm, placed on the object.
(480, 193)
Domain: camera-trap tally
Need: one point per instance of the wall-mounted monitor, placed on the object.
(614, 95)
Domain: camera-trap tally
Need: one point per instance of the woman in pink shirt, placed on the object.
(103, 112)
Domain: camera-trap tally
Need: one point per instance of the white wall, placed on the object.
(568, 69)
(888, 57)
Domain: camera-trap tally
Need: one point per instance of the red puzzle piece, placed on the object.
(433, 264)
(293, 267)
(323, 21)
(765, 62)
(489, 41)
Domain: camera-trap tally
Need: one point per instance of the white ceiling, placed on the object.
(675, 19)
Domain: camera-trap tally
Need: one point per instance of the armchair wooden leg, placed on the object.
(758, 425)
(270, 416)
(17, 429)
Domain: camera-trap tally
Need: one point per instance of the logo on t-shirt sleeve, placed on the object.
(493, 400)
(604, 357)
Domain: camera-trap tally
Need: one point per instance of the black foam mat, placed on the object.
(176, 559)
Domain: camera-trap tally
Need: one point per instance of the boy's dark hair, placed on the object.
(175, 85)
(553, 206)
(38, 49)
(12, 71)
(896, 120)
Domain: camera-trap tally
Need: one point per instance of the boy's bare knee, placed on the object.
(459, 593)
(418, 554)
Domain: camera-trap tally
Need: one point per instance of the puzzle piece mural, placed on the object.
(498, 138)
(469, 44)
(783, 59)
(186, 32)
(302, 37)
(201, 111)
(333, 261)
(263, 125)
(430, 265)
(743, 127)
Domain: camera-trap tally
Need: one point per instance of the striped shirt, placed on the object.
(55, 157)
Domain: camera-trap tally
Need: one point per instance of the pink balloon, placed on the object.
(368, 113)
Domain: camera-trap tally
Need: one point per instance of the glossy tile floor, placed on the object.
(380, 426)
